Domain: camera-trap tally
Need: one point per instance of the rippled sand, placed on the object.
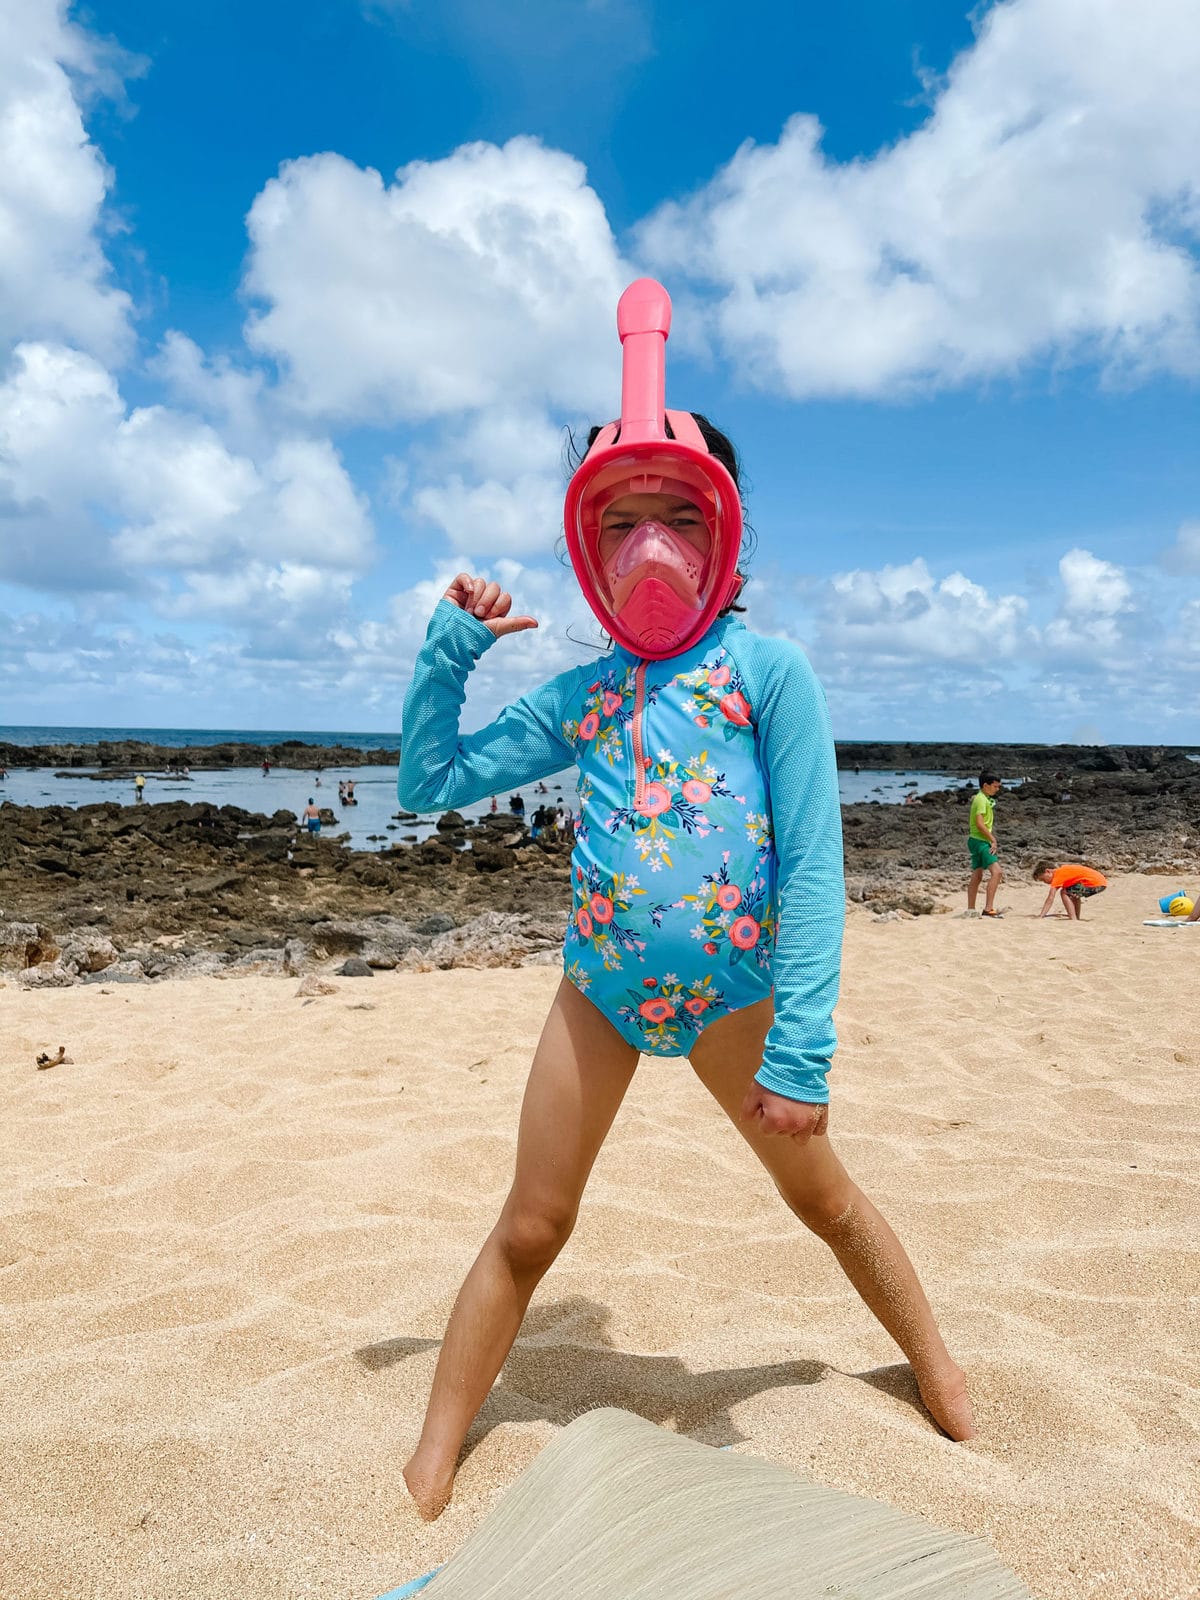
(234, 1226)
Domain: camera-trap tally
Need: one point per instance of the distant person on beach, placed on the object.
(517, 806)
(981, 842)
(311, 816)
(708, 892)
(341, 792)
(266, 768)
(1072, 882)
(350, 800)
(139, 784)
(495, 807)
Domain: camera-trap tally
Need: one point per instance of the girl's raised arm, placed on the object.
(439, 768)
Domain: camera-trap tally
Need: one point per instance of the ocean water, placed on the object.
(289, 789)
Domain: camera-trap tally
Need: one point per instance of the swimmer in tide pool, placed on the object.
(707, 876)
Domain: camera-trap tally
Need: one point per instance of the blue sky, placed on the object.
(295, 303)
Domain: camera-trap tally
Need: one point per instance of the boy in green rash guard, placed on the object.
(982, 845)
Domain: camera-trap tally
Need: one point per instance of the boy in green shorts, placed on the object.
(982, 845)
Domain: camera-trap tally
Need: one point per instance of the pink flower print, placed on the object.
(649, 983)
(583, 922)
(695, 1006)
(710, 949)
(656, 798)
(658, 1010)
(735, 708)
(612, 701)
(602, 908)
(701, 722)
(698, 792)
(590, 726)
(729, 897)
(719, 677)
(744, 933)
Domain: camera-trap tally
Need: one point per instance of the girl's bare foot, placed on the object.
(430, 1486)
(944, 1393)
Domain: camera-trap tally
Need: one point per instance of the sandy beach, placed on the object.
(234, 1224)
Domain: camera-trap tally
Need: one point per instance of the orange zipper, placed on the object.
(640, 760)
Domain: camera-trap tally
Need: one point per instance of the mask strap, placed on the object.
(687, 430)
(605, 437)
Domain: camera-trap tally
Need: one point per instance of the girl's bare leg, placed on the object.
(579, 1076)
(818, 1189)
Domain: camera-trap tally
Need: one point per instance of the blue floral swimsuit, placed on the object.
(694, 895)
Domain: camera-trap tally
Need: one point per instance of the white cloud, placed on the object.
(485, 280)
(1097, 597)
(905, 612)
(521, 518)
(98, 496)
(1048, 207)
(1092, 587)
(55, 282)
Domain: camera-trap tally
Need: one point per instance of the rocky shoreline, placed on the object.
(110, 893)
(115, 757)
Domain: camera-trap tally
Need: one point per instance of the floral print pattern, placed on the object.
(669, 1014)
(697, 827)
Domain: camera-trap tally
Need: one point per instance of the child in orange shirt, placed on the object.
(1073, 882)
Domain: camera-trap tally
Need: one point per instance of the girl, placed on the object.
(707, 876)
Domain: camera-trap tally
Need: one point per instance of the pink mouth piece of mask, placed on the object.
(660, 603)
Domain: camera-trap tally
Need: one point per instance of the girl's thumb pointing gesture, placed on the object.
(488, 603)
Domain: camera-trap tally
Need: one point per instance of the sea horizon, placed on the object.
(33, 734)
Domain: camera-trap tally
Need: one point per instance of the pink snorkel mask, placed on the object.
(655, 591)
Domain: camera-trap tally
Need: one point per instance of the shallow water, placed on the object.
(374, 788)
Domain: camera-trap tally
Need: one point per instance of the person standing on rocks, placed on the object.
(139, 784)
(981, 842)
(707, 879)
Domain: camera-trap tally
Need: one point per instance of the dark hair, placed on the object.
(719, 445)
(987, 777)
(1043, 866)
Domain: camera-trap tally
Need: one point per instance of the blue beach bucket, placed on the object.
(1164, 905)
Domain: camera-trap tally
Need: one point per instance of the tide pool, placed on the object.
(374, 789)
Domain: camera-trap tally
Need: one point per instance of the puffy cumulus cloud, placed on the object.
(1048, 207)
(1097, 606)
(518, 518)
(55, 281)
(494, 487)
(214, 387)
(96, 496)
(904, 612)
(484, 280)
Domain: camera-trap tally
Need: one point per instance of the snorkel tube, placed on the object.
(635, 455)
